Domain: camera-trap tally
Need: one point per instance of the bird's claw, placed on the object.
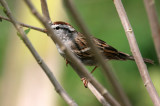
(85, 82)
(67, 63)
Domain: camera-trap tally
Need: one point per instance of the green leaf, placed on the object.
(27, 31)
(20, 36)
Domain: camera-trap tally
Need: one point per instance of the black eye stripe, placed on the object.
(57, 28)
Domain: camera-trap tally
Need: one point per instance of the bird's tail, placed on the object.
(125, 56)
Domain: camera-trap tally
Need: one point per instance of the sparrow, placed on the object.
(78, 45)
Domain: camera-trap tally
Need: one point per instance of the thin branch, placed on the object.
(45, 68)
(154, 24)
(25, 25)
(136, 53)
(104, 65)
(81, 70)
(98, 95)
(45, 9)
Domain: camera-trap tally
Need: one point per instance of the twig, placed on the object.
(136, 53)
(154, 24)
(98, 95)
(45, 68)
(45, 9)
(82, 71)
(105, 66)
(25, 25)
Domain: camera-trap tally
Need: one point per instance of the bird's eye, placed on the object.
(57, 27)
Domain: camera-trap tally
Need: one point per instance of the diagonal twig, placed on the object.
(90, 86)
(154, 24)
(45, 68)
(98, 95)
(45, 9)
(106, 68)
(25, 25)
(82, 71)
(136, 53)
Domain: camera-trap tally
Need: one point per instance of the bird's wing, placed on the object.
(108, 51)
(81, 49)
(104, 46)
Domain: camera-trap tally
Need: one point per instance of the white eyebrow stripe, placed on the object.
(63, 26)
(54, 26)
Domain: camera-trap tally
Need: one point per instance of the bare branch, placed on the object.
(45, 68)
(155, 27)
(98, 95)
(136, 53)
(45, 9)
(25, 25)
(104, 65)
(81, 70)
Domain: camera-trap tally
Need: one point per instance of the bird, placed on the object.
(78, 45)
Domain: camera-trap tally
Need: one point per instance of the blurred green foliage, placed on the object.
(4, 32)
(3, 44)
(103, 22)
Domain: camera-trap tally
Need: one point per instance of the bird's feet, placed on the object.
(85, 82)
(67, 62)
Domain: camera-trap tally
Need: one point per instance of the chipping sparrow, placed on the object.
(78, 45)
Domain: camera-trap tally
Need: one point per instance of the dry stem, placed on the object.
(44, 8)
(154, 24)
(136, 53)
(25, 25)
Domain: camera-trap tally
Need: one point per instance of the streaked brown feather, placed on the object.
(80, 48)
